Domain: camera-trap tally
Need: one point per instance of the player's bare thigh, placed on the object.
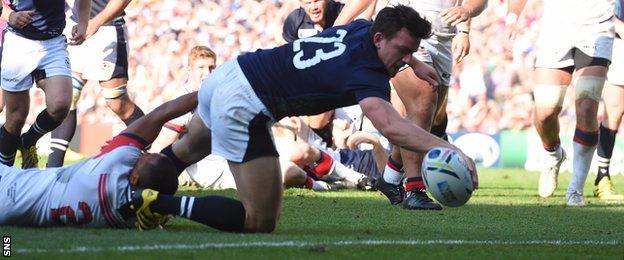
(417, 97)
(195, 144)
(613, 97)
(58, 95)
(259, 187)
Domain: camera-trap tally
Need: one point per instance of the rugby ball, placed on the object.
(447, 177)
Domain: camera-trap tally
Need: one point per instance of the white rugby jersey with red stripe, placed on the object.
(89, 194)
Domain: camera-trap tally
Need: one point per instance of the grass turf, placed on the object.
(504, 219)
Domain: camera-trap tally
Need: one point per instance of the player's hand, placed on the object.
(79, 32)
(92, 28)
(145, 218)
(460, 47)
(20, 19)
(472, 167)
(360, 137)
(455, 15)
(426, 73)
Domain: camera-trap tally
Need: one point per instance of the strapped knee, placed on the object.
(114, 93)
(589, 87)
(547, 95)
(77, 85)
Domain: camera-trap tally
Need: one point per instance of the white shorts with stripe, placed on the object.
(239, 122)
(557, 42)
(24, 61)
(103, 56)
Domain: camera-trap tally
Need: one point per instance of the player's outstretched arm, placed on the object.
(405, 134)
(148, 126)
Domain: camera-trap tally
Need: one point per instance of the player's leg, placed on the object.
(114, 83)
(58, 100)
(590, 79)
(115, 93)
(390, 181)
(19, 58)
(62, 135)
(323, 165)
(549, 92)
(613, 96)
(259, 187)
(420, 104)
(16, 108)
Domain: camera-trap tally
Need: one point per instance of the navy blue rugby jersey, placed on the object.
(336, 68)
(48, 18)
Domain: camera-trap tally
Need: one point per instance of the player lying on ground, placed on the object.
(342, 66)
(95, 192)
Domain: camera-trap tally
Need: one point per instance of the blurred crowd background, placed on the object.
(490, 89)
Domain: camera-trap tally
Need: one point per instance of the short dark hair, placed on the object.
(390, 20)
(159, 174)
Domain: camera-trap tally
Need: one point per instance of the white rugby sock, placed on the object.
(392, 175)
(581, 161)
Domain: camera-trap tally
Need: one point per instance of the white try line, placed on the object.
(296, 244)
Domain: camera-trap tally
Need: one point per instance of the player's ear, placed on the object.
(377, 37)
(134, 178)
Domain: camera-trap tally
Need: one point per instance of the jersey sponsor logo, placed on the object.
(319, 55)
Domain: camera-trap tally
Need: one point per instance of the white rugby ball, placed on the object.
(447, 177)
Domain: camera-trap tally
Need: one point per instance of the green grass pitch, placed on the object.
(504, 219)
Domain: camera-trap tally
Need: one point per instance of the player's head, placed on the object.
(396, 33)
(315, 9)
(201, 62)
(155, 171)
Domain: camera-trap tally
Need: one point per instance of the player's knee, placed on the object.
(260, 225)
(59, 110)
(77, 85)
(549, 95)
(589, 87)
(303, 154)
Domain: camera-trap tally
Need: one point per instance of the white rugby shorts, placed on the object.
(103, 56)
(24, 61)
(557, 41)
(240, 124)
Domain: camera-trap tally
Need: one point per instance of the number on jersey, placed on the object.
(319, 54)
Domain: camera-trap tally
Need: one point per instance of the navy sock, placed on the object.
(179, 164)
(606, 141)
(8, 146)
(222, 213)
(43, 124)
(60, 140)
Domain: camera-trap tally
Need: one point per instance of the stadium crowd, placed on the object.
(490, 89)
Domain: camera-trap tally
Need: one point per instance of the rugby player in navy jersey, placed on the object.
(103, 57)
(35, 51)
(342, 66)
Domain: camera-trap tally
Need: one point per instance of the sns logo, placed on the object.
(6, 246)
